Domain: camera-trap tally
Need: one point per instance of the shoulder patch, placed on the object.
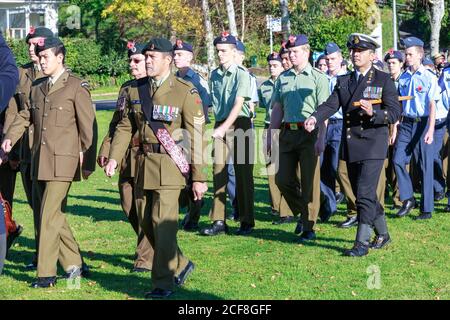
(39, 81)
(85, 85)
(194, 91)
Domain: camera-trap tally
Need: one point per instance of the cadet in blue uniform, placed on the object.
(330, 156)
(416, 131)
(365, 135)
(444, 88)
(183, 55)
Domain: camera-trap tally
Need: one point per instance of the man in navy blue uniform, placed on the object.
(9, 75)
(364, 136)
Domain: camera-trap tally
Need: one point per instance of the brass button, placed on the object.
(361, 122)
(60, 108)
(362, 128)
(44, 129)
(348, 137)
(43, 143)
(45, 114)
(348, 129)
(47, 100)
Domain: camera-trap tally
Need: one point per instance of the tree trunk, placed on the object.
(437, 10)
(209, 36)
(285, 22)
(231, 17)
(243, 21)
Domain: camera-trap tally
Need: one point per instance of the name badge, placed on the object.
(165, 113)
(373, 93)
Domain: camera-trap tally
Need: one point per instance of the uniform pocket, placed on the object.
(66, 165)
(64, 116)
(170, 174)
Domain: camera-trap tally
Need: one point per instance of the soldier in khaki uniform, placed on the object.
(297, 94)
(144, 250)
(164, 104)
(63, 118)
(22, 150)
(265, 91)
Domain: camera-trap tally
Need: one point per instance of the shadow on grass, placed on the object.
(96, 213)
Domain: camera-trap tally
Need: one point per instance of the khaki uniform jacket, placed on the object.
(128, 163)
(19, 102)
(64, 124)
(158, 169)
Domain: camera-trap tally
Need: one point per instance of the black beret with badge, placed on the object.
(225, 38)
(158, 45)
(362, 42)
(274, 56)
(39, 32)
(48, 43)
(181, 45)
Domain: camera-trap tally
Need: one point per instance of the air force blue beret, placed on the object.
(240, 46)
(181, 45)
(296, 40)
(331, 47)
(411, 42)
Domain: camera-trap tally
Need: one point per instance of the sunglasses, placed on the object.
(136, 60)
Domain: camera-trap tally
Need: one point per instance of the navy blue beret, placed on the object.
(181, 45)
(393, 54)
(331, 47)
(134, 48)
(274, 56)
(225, 38)
(427, 62)
(240, 46)
(411, 42)
(296, 40)
(283, 48)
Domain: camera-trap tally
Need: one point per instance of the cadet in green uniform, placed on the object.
(163, 104)
(278, 202)
(63, 118)
(230, 95)
(22, 150)
(144, 251)
(297, 94)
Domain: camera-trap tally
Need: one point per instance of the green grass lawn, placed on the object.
(266, 265)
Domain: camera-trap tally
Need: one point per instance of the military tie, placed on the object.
(49, 84)
(360, 78)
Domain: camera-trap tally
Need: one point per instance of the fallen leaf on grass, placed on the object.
(354, 293)
(253, 285)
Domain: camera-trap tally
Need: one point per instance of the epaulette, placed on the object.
(318, 70)
(431, 71)
(39, 81)
(28, 65)
(84, 83)
(127, 83)
(185, 82)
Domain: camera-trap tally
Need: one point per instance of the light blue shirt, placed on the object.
(444, 87)
(202, 87)
(333, 80)
(423, 86)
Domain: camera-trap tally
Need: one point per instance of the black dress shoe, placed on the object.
(45, 282)
(424, 216)
(73, 273)
(274, 212)
(217, 227)
(438, 196)
(284, 220)
(85, 272)
(12, 237)
(380, 241)
(244, 229)
(181, 279)
(298, 227)
(339, 197)
(349, 222)
(406, 208)
(140, 270)
(447, 208)
(359, 249)
(326, 215)
(307, 236)
(32, 266)
(158, 294)
(190, 226)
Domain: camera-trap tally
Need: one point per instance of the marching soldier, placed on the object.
(144, 250)
(28, 73)
(8, 74)
(297, 94)
(278, 202)
(416, 131)
(63, 117)
(365, 135)
(183, 56)
(157, 107)
(231, 94)
(444, 87)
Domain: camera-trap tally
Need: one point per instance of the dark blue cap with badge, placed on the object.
(362, 42)
(225, 38)
(274, 56)
(393, 54)
(240, 46)
(48, 43)
(134, 48)
(331, 47)
(411, 42)
(39, 32)
(158, 45)
(181, 45)
(427, 62)
(296, 40)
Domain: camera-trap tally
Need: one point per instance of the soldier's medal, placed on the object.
(373, 93)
